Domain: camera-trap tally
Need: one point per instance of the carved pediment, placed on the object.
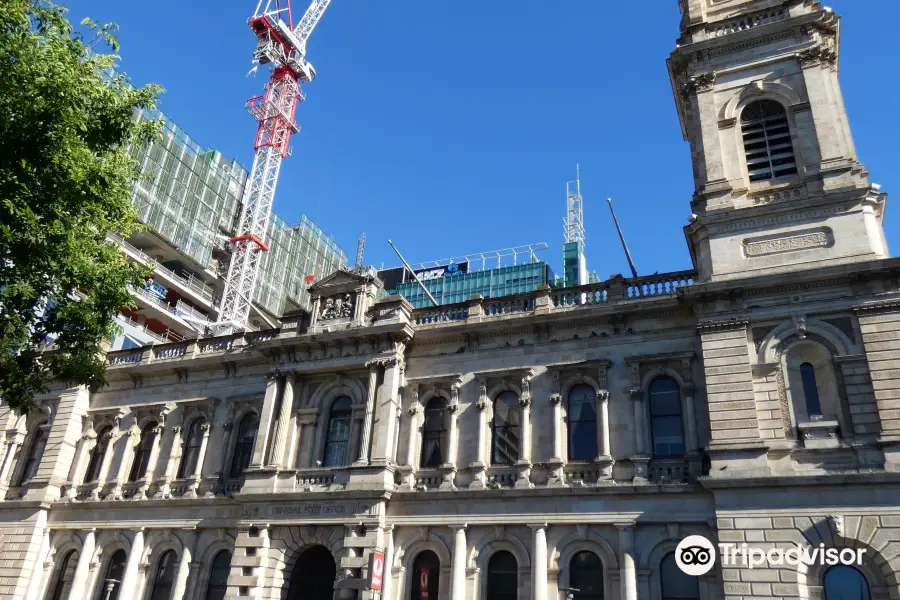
(337, 282)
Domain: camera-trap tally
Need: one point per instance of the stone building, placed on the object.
(517, 447)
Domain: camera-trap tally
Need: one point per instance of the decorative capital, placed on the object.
(525, 401)
(481, 404)
(176, 429)
(452, 407)
(228, 425)
(698, 83)
(817, 55)
(413, 410)
(204, 426)
(603, 396)
(555, 399)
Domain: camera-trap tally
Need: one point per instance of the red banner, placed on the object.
(423, 584)
(376, 571)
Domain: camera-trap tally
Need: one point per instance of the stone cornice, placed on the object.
(724, 325)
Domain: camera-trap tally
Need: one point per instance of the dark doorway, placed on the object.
(313, 575)
(426, 570)
(503, 577)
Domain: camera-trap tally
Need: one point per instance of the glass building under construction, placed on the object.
(190, 199)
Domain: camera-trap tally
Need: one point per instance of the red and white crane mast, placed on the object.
(283, 46)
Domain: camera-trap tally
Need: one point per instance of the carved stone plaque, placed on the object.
(805, 241)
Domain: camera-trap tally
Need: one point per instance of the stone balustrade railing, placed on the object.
(544, 300)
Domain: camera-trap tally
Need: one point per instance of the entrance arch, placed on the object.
(313, 575)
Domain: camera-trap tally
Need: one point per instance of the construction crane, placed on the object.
(283, 46)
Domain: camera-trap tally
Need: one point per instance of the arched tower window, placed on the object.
(767, 141)
(337, 436)
(666, 429)
(35, 452)
(188, 466)
(843, 582)
(674, 583)
(142, 453)
(165, 576)
(582, 423)
(97, 453)
(810, 390)
(433, 434)
(503, 577)
(505, 429)
(425, 576)
(218, 576)
(243, 446)
(586, 575)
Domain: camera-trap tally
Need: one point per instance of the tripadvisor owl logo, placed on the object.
(695, 555)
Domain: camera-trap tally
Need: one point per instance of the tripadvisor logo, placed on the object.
(696, 555)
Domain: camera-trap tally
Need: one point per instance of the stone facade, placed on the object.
(527, 428)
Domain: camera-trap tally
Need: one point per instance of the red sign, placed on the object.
(423, 584)
(376, 571)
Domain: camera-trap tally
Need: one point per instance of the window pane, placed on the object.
(93, 470)
(165, 576)
(582, 421)
(503, 577)
(64, 575)
(114, 571)
(218, 576)
(243, 449)
(677, 585)
(36, 452)
(505, 425)
(586, 575)
(810, 390)
(767, 143)
(338, 433)
(425, 577)
(142, 453)
(666, 427)
(433, 434)
(843, 582)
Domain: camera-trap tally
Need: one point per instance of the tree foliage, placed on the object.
(66, 175)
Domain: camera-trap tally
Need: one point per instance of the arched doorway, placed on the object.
(313, 575)
(425, 576)
(502, 577)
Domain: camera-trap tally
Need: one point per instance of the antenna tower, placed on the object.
(360, 249)
(573, 224)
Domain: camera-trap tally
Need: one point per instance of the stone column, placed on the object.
(387, 584)
(265, 421)
(306, 420)
(458, 563)
(201, 456)
(365, 437)
(603, 442)
(556, 404)
(690, 423)
(627, 573)
(383, 447)
(523, 475)
(414, 409)
(130, 579)
(79, 589)
(194, 571)
(110, 441)
(150, 474)
(125, 462)
(184, 567)
(39, 571)
(539, 562)
(284, 418)
(640, 417)
(172, 463)
(479, 467)
(79, 463)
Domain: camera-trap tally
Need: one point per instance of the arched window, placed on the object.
(218, 576)
(243, 446)
(843, 582)
(433, 433)
(337, 436)
(35, 452)
(767, 141)
(502, 577)
(97, 454)
(64, 575)
(115, 570)
(586, 575)
(142, 452)
(505, 429)
(165, 576)
(665, 418)
(582, 422)
(674, 583)
(425, 576)
(810, 390)
(191, 454)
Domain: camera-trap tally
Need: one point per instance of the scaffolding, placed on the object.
(190, 196)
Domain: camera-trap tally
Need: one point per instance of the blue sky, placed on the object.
(452, 127)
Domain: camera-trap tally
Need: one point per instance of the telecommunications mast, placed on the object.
(283, 46)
